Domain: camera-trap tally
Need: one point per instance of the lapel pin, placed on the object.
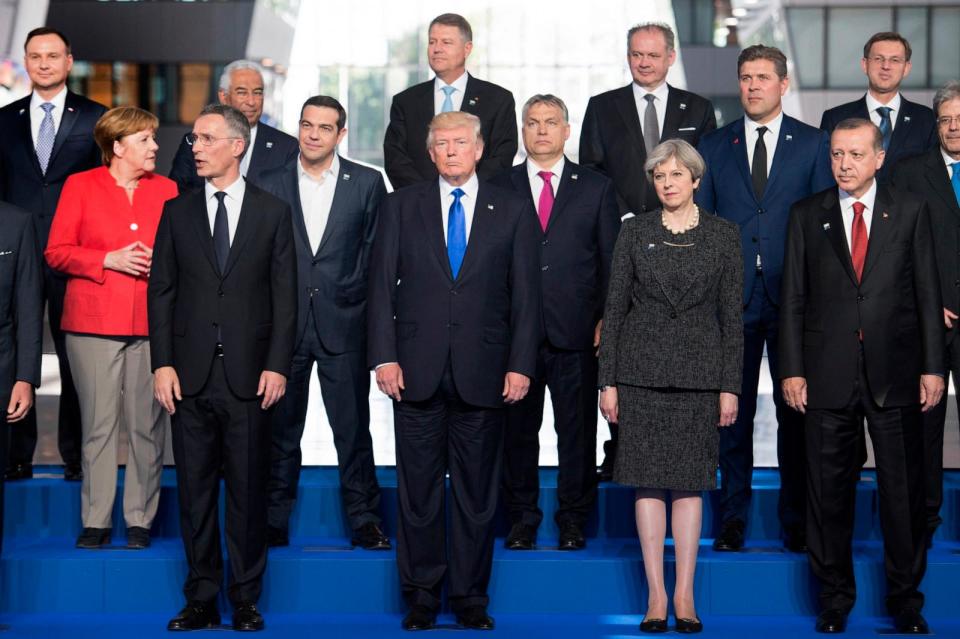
(473, 101)
(650, 246)
(70, 109)
(573, 176)
(788, 137)
(490, 206)
(906, 118)
(22, 111)
(346, 177)
(736, 140)
(826, 227)
(683, 107)
(269, 145)
(884, 215)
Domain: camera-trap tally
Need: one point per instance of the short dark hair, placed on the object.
(329, 103)
(857, 123)
(887, 36)
(236, 121)
(42, 31)
(763, 52)
(662, 27)
(454, 20)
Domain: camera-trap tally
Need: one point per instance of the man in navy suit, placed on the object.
(241, 86)
(908, 128)
(579, 222)
(334, 206)
(453, 331)
(757, 167)
(47, 136)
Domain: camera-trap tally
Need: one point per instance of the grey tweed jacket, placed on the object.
(656, 337)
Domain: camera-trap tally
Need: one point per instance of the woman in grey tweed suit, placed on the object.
(670, 360)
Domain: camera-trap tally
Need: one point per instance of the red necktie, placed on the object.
(858, 239)
(545, 206)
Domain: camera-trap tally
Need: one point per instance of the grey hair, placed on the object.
(662, 27)
(852, 124)
(548, 99)
(949, 91)
(454, 120)
(684, 153)
(237, 123)
(237, 65)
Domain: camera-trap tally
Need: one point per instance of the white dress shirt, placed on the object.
(460, 84)
(233, 202)
(316, 198)
(894, 104)
(846, 210)
(950, 162)
(58, 101)
(245, 161)
(659, 104)
(468, 200)
(536, 182)
(770, 138)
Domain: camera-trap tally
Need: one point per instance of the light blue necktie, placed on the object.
(447, 105)
(955, 180)
(886, 127)
(456, 233)
(45, 137)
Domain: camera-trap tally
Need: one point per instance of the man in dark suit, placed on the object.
(47, 136)
(241, 86)
(453, 330)
(861, 336)
(334, 206)
(579, 222)
(223, 310)
(757, 167)
(935, 177)
(908, 128)
(453, 89)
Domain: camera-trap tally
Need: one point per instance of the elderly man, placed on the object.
(453, 330)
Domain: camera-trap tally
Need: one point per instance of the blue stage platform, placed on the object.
(320, 586)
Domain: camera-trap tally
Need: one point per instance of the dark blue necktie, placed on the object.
(955, 180)
(221, 232)
(456, 233)
(886, 127)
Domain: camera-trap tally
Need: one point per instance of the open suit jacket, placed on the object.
(21, 307)
(486, 321)
(405, 142)
(611, 139)
(896, 304)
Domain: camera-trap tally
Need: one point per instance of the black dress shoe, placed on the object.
(689, 626)
(521, 537)
(831, 621)
(138, 537)
(571, 537)
(475, 618)
(196, 615)
(370, 537)
(246, 618)
(795, 540)
(93, 538)
(277, 537)
(18, 471)
(653, 625)
(731, 536)
(73, 472)
(909, 621)
(419, 618)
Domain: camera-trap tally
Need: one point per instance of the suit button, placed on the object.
(134, 226)
(220, 293)
(545, 242)
(544, 268)
(673, 316)
(860, 298)
(760, 211)
(453, 291)
(753, 239)
(213, 324)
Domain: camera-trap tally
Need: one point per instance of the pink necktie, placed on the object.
(545, 205)
(858, 239)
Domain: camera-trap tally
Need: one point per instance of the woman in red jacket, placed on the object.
(102, 239)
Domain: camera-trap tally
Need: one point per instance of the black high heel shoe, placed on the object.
(653, 625)
(689, 626)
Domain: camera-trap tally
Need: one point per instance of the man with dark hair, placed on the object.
(908, 128)
(757, 167)
(47, 136)
(334, 205)
(453, 89)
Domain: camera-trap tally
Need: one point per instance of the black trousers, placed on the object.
(23, 437)
(345, 388)
(216, 430)
(833, 470)
(435, 436)
(571, 377)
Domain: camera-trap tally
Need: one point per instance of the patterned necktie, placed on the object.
(545, 205)
(456, 233)
(858, 239)
(955, 180)
(221, 232)
(886, 127)
(447, 100)
(45, 137)
(759, 169)
(651, 129)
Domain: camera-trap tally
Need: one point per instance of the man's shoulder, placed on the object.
(414, 92)
(475, 84)
(587, 176)
(358, 171)
(730, 131)
(917, 110)
(84, 104)
(846, 110)
(608, 97)
(689, 98)
(14, 110)
(267, 202)
(814, 203)
(276, 136)
(797, 128)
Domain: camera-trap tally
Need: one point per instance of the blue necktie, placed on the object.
(447, 101)
(456, 233)
(955, 180)
(886, 128)
(45, 137)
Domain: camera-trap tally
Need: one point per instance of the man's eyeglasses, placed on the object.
(948, 121)
(204, 139)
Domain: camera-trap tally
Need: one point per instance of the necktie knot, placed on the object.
(47, 107)
(547, 176)
(884, 111)
(447, 105)
(858, 209)
(457, 194)
(760, 131)
(220, 195)
(448, 90)
(650, 98)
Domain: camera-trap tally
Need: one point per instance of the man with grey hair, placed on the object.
(241, 86)
(222, 308)
(935, 176)
(579, 222)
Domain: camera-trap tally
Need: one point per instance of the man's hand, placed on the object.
(21, 399)
(166, 388)
(610, 404)
(948, 317)
(390, 380)
(515, 387)
(596, 336)
(931, 391)
(272, 387)
(133, 259)
(728, 409)
(795, 393)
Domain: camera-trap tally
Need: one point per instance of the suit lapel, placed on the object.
(202, 226)
(432, 219)
(246, 228)
(880, 224)
(831, 221)
(861, 109)
(259, 146)
(483, 221)
(521, 182)
(783, 154)
(299, 224)
(673, 115)
(71, 111)
(738, 146)
(903, 128)
(27, 136)
(471, 97)
(341, 194)
(938, 177)
(565, 192)
(627, 107)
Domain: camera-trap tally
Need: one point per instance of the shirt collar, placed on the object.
(469, 189)
(234, 191)
(868, 199)
(873, 103)
(332, 170)
(773, 127)
(460, 84)
(660, 93)
(556, 169)
(947, 159)
(58, 100)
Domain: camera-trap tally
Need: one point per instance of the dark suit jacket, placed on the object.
(611, 139)
(801, 166)
(485, 322)
(253, 304)
(897, 303)
(927, 177)
(272, 149)
(22, 183)
(333, 282)
(915, 130)
(575, 251)
(405, 141)
(21, 305)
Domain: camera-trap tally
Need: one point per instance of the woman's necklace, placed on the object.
(694, 220)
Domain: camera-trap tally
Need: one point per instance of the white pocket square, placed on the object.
(688, 128)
